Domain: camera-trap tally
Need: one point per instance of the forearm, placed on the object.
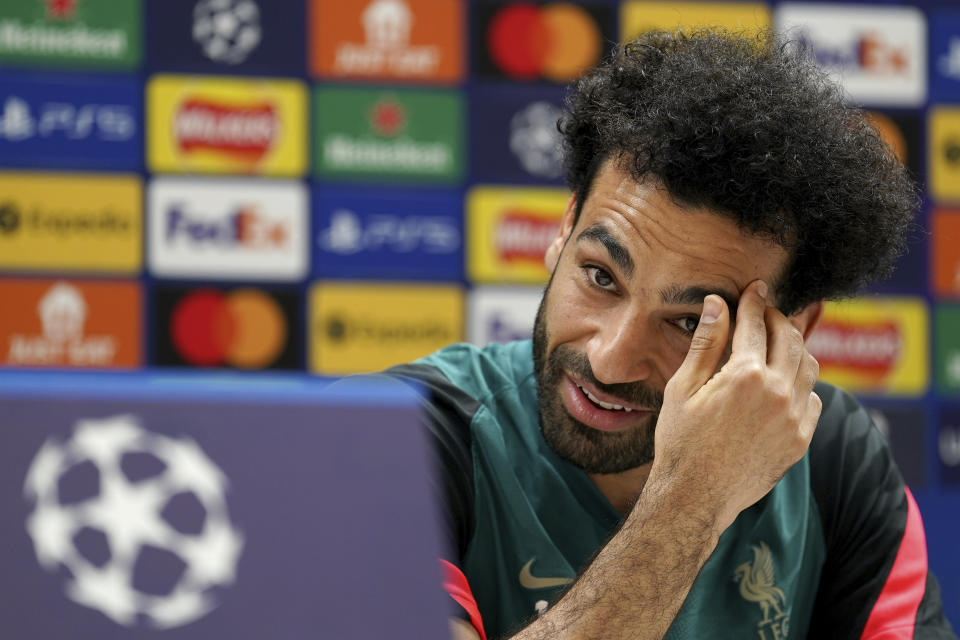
(637, 583)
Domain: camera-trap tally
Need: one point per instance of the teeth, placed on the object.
(605, 405)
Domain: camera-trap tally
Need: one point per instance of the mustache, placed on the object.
(564, 358)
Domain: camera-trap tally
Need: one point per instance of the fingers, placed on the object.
(807, 373)
(706, 347)
(750, 332)
(785, 345)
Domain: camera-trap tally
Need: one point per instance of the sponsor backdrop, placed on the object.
(334, 187)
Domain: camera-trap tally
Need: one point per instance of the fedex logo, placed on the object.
(246, 226)
(878, 54)
(869, 52)
(227, 229)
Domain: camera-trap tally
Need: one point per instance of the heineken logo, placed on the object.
(61, 9)
(247, 132)
(387, 118)
(415, 134)
(73, 32)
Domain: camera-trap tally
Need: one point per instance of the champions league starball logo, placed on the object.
(227, 30)
(138, 520)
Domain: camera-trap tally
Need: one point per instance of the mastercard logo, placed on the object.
(244, 328)
(556, 41)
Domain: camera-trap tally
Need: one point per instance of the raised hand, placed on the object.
(729, 435)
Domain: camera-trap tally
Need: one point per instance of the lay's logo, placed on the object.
(245, 132)
(869, 350)
(873, 345)
(203, 124)
(509, 230)
(521, 236)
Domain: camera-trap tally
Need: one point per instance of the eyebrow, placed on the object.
(695, 294)
(617, 251)
(673, 294)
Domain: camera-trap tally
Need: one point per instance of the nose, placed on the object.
(623, 350)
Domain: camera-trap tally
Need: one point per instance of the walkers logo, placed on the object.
(509, 230)
(945, 55)
(399, 135)
(356, 328)
(228, 229)
(945, 239)
(60, 121)
(502, 314)
(396, 235)
(902, 424)
(556, 41)
(217, 36)
(873, 345)
(948, 445)
(46, 323)
(71, 33)
(946, 322)
(515, 136)
(242, 328)
(944, 149)
(80, 222)
(638, 18)
(220, 125)
(417, 40)
(879, 54)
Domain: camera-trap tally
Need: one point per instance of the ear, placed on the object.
(552, 256)
(807, 319)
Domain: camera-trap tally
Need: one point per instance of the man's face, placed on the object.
(623, 302)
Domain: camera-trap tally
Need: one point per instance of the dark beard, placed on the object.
(592, 450)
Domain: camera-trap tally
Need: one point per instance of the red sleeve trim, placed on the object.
(459, 589)
(894, 615)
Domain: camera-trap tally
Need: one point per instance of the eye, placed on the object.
(600, 277)
(688, 324)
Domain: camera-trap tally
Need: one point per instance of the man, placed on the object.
(659, 462)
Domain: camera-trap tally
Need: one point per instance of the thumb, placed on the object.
(706, 347)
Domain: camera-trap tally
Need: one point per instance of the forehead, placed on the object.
(671, 243)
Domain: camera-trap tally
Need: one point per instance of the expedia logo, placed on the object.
(244, 132)
(951, 150)
(63, 223)
(344, 328)
(871, 349)
(246, 227)
(520, 236)
(9, 217)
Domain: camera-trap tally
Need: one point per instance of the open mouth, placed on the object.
(584, 406)
(600, 403)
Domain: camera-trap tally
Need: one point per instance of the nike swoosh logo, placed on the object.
(530, 581)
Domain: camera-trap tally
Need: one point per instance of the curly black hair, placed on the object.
(750, 128)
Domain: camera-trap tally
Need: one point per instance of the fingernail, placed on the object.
(711, 309)
(762, 289)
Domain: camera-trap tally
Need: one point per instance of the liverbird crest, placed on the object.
(757, 583)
